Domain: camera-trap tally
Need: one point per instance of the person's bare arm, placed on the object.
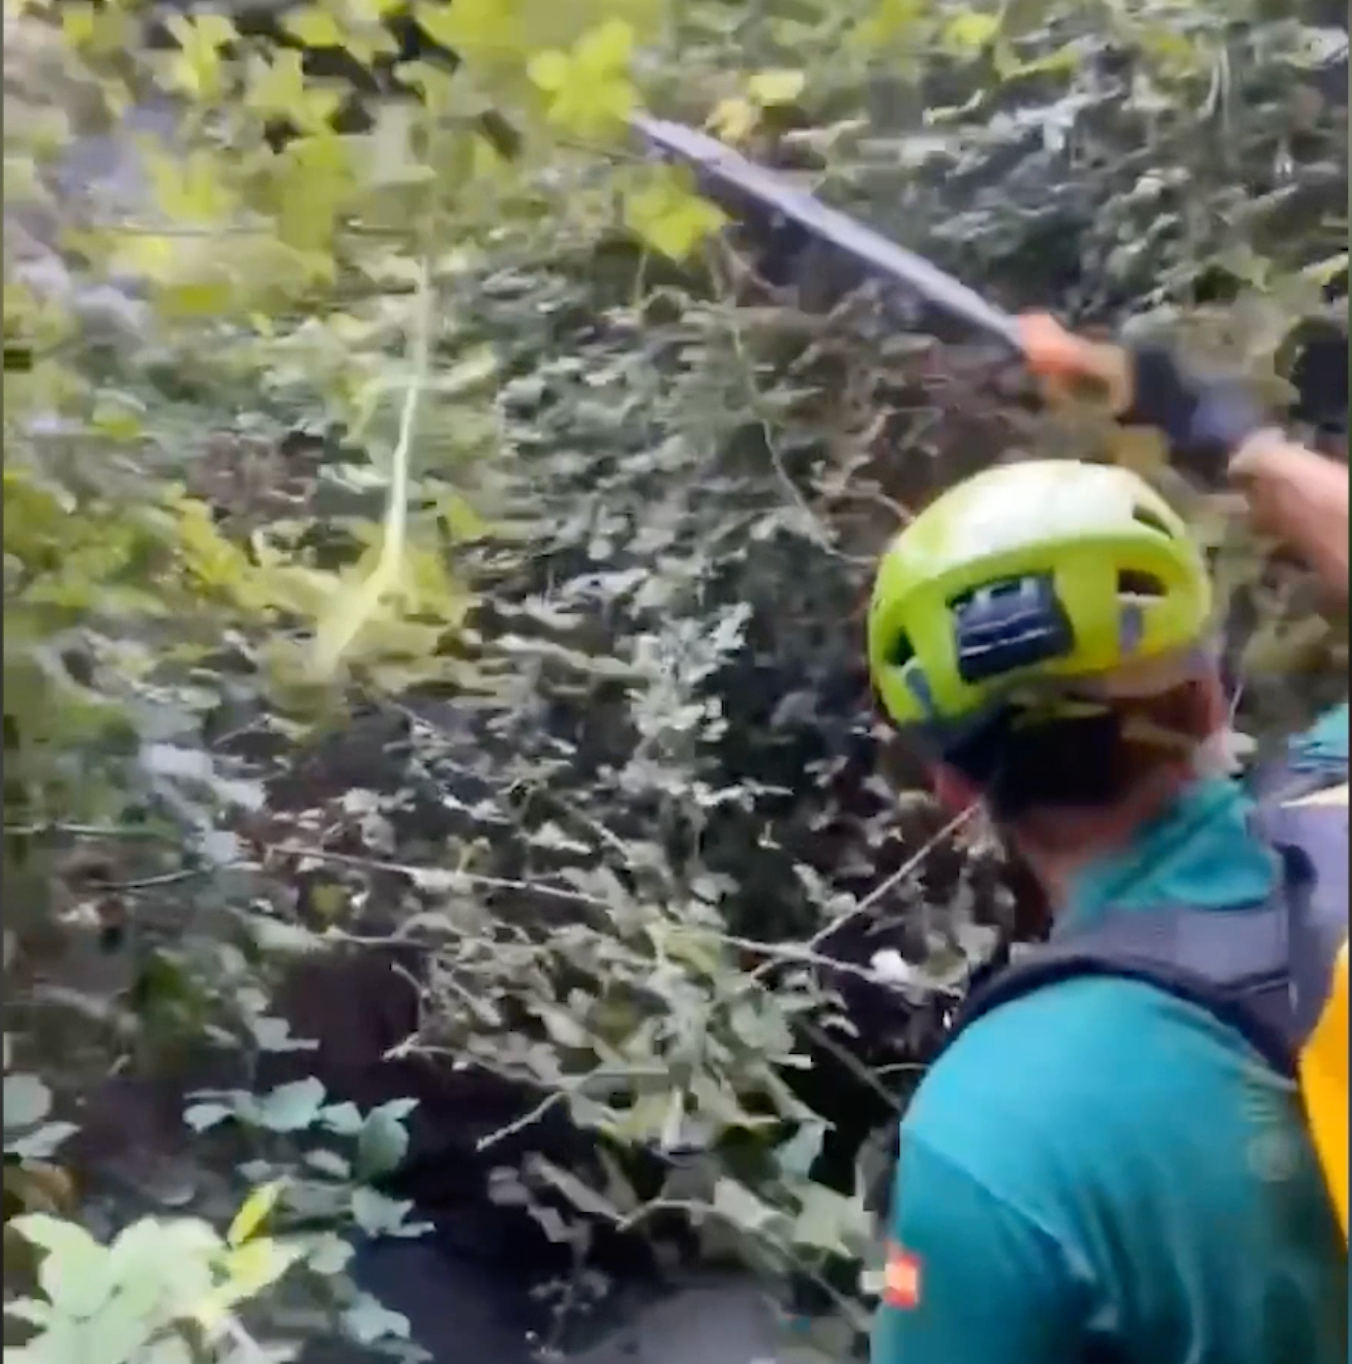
(1301, 497)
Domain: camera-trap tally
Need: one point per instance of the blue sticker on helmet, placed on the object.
(918, 685)
(1130, 627)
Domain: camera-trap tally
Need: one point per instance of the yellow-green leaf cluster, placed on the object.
(588, 89)
(276, 88)
(970, 30)
(198, 67)
(769, 88)
(668, 216)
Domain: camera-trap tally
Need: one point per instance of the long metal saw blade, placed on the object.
(719, 164)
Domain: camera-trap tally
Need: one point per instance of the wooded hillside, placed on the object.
(435, 535)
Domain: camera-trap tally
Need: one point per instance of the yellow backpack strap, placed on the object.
(1323, 1069)
(1317, 823)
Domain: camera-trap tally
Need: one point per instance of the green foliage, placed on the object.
(333, 1186)
(437, 524)
(164, 1292)
(28, 1136)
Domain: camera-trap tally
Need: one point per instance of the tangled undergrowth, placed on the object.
(435, 543)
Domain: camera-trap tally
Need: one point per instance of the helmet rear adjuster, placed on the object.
(1008, 624)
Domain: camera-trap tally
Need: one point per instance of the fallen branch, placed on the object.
(453, 878)
(57, 829)
(336, 634)
(524, 1121)
(907, 868)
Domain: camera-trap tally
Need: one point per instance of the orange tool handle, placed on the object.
(1067, 365)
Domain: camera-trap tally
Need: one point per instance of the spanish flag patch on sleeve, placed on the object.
(901, 1279)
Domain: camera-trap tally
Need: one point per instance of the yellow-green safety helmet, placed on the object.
(1030, 577)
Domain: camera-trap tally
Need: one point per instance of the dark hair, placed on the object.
(1079, 762)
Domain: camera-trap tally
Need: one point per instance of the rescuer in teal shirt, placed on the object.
(1102, 1162)
(1098, 1169)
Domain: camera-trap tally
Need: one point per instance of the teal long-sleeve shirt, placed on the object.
(1101, 1171)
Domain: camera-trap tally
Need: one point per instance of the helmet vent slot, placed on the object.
(901, 651)
(1135, 582)
(1152, 520)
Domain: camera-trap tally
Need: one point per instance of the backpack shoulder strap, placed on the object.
(1232, 963)
(1310, 831)
(1263, 970)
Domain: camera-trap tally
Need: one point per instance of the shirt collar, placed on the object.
(1201, 852)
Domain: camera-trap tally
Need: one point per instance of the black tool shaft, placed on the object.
(721, 165)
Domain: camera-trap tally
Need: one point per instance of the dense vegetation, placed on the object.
(435, 536)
